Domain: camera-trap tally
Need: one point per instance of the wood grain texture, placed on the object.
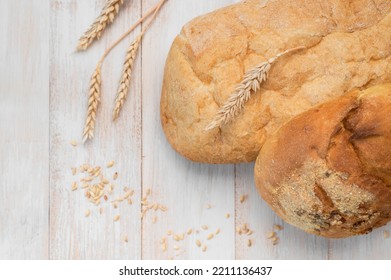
(24, 133)
(39, 215)
(185, 187)
(370, 247)
(72, 236)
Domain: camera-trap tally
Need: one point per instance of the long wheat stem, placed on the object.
(251, 82)
(130, 59)
(95, 31)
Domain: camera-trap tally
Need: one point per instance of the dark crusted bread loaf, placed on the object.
(328, 170)
(348, 45)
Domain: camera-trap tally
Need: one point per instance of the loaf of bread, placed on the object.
(328, 170)
(347, 45)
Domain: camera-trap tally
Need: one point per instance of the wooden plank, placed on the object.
(373, 246)
(184, 187)
(72, 236)
(24, 130)
(293, 243)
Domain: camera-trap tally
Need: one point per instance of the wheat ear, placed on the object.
(126, 75)
(131, 54)
(95, 85)
(94, 32)
(93, 103)
(251, 82)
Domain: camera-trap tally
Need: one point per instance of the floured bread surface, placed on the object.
(328, 170)
(348, 45)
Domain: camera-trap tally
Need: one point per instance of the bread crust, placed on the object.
(347, 46)
(328, 170)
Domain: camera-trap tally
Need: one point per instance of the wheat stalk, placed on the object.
(251, 82)
(124, 84)
(126, 75)
(107, 16)
(93, 104)
(95, 85)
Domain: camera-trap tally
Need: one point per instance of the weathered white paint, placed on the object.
(24, 134)
(185, 187)
(143, 157)
(72, 236)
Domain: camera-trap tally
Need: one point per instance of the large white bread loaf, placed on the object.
(348, 45)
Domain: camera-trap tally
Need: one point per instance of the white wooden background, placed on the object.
(43, 86)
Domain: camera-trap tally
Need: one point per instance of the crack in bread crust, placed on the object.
(211, 54)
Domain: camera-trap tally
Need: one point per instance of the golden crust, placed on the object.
(328, 170)
(348, 46)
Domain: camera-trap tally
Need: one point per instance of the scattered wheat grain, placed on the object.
(87, 213)
(243, 198)
(271, 235)
(74, 143)
(74, 186)
(278, 227)
(210, 236)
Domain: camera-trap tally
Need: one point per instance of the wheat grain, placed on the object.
(87, 213)
(93, 104)
(251, 82)
(74, 143)
(95, 31)
(210, 236)
(243, 198)
(278, 227)
(271, 235)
